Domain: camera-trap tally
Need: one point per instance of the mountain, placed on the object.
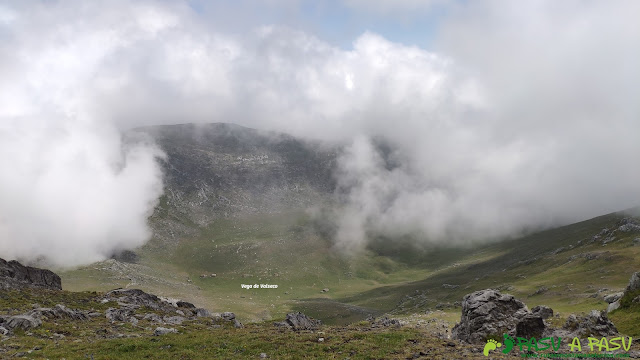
(215, 171)
(236, 212)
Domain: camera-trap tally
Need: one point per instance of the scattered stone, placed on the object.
(488, 313)
(320, 339)
(4, 331)
(611, 298)
(450, 286)
(543, 311)
(263, 355)
(163, 331)
(541, 290)
(385, 322)
(325, 290)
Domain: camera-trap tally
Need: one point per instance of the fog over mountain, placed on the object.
(519, 115)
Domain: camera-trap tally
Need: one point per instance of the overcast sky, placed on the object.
(502, 115)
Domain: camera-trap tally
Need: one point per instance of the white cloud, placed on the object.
(527, 115)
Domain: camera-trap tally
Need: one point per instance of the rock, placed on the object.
(487, 313)
(153, 317)
(25, 322)
(541, 290)
(263, 355)
(174, 320)
(385, 322)
(186, 305)
(449, 286)
(200, 312)
(126, 256)
(228, 316)
(634, 282)
(299, 321)
(325, 290)
(139, 298)
(543, 311)
(611, 298)
(163, 331)
(237, 324)
(14, 275)
(122, 314)
(530, 326)
(595, 323)
(133, 321)
(4, 331)
(59, 312)
(613, 306)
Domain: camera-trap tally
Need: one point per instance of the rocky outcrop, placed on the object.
(14, 275)
(58, 312)
(299, 321)
(24, 322)
(595, 323)
(488, 313)
(136, 298)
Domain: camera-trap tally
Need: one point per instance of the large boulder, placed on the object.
(634, 283)
(14, 275)
(488, 313)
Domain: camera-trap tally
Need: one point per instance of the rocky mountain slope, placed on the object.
(222, 170)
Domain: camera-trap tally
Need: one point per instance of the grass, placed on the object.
(284, 249)
(97, 338)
